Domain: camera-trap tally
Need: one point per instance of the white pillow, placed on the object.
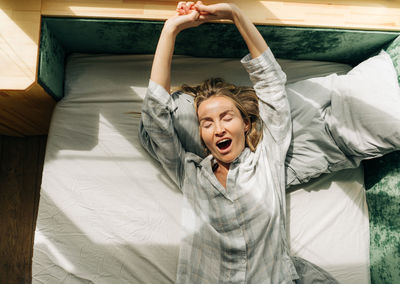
(364, 117)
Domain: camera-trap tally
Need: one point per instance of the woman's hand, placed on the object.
(179, 23)
(221, 11)
(189, 16)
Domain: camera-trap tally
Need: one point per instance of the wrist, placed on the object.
(235, 12)
(170, 29)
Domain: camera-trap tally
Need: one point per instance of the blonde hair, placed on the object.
(244, 98)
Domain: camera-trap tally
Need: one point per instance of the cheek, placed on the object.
(239, 127)
(205, 135)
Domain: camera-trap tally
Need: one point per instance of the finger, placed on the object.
(180, 4)
(204, 8)
(201, 12)
(194, 15)
(190, 6)
(181, 11)
(182, 8)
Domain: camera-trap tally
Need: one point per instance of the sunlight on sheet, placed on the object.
(140, 91)
(42, 241)
(116, 180)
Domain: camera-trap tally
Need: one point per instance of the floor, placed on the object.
(21, 165)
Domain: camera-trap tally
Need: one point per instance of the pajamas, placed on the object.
(237, 234)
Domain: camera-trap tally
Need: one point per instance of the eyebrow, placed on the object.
(220, 115)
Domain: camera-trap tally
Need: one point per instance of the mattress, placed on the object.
(109, 214)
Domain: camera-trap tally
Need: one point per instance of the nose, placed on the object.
(219, 129)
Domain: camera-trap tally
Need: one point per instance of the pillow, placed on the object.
(364, 116)
(308, 100)
(312, 150)
(186, 123)
(338, 121)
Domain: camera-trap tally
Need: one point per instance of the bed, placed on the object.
(109, 214)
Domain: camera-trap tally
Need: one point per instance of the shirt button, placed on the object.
(244, 260)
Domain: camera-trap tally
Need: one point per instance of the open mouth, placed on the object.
(224, 144)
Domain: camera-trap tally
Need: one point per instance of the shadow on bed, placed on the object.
(130, 261)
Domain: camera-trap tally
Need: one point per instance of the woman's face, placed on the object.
(222, 128)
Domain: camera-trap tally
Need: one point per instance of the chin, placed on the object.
(227, 159)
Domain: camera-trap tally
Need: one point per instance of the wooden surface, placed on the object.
(19, 38)
(24, 113)
(361, 14)
(25, 108)
(21, 164)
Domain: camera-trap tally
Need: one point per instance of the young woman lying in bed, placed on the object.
(233, 181)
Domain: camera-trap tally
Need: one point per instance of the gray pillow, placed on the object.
(312, 150)
(324, 112)
(186, 123)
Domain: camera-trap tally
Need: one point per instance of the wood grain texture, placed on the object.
(19, 38)
(25, 112)
(25, 108)
(367, 14)
(21, 165)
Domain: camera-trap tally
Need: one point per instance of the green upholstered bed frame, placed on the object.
(62, 36)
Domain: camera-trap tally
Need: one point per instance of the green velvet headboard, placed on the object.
(62, 36)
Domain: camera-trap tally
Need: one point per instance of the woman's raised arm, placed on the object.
(264, 71)
(161, 68)
(255, 42)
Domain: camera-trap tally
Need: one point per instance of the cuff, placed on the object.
(160, 94)
(266, 58)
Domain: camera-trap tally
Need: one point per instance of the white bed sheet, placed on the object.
(109, 214)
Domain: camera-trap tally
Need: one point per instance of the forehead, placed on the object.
(216, 105)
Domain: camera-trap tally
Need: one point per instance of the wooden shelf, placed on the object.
(375, 15)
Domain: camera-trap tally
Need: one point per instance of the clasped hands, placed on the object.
(191, 14)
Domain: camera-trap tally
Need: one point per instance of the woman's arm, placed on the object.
(255, 42)
(161, 68)
(156, 130)
(265, 73)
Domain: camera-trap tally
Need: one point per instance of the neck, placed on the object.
(221, 172)
(221, 168)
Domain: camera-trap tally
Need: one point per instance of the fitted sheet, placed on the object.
(109, 214)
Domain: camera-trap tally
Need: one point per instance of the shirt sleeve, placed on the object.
(157, 133)
(269, 83)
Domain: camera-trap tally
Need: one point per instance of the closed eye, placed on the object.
(227, 118)
(206, 124)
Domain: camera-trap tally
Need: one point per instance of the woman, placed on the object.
(234, 210)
